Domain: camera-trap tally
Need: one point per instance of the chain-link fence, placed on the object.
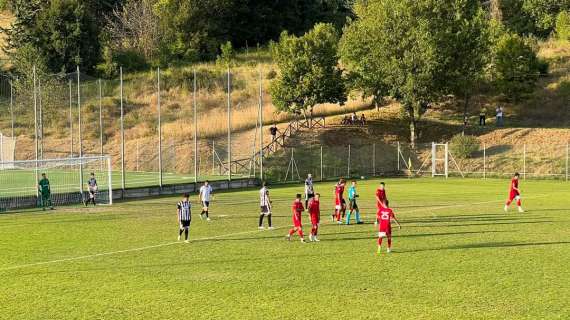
(166, 127)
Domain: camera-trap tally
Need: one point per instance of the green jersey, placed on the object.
(44, 186)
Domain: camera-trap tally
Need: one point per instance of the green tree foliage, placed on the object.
(563, 25)
(464, 146)
(516, 66)
(65, 32)
(309, 70)
(414, 50)
(532, 17)
(227, 54)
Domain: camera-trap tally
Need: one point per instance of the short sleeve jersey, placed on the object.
(514, 185)
(297, 210)
(381, 194)
(309, 186)
(339, 191)
(44, 185)
(264, 197)
(314, 207)
(206, 192)
(92, 183)
(385, 215)
(351, 193)
(184, 211)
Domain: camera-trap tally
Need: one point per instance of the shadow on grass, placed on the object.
(491, 245)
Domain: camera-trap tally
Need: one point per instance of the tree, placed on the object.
(563, 25)
(309, 70)
(413, 50)
(64, 32)
(516, 66)
(543, 14)
(134, 26)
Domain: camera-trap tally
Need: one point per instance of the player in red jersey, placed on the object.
(381, 196)
(384, 217)
(297, 209)
(339, 202)
(514, 193)
(314, 208)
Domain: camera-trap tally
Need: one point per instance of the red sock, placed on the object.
(301, 233)
(291, 232)
(519, 202)
(389, 242)
(316, 230)
(508, 203)
(379, 241)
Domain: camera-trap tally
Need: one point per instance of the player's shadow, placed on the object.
(372, 235)
(491, 223)
(488, 245)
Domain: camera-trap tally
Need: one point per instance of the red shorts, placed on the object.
(315, 219)
(297, 223)
(513, 195)
(387, 229)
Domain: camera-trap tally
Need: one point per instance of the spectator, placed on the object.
(499, 116)
(353, 118)
(363, 120)
(273, 131)
(482, 116)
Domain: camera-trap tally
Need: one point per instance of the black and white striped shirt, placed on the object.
(264, 197)
(184, 212)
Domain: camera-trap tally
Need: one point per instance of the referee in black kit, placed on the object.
(184, 217)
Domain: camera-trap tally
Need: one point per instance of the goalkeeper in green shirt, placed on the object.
(45, 192)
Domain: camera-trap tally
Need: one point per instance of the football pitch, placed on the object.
(457, 256)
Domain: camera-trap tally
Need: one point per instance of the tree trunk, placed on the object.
(412, 127)
(376, 104)
(465, 107)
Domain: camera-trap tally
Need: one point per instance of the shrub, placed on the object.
(563, 25)
(464, 146)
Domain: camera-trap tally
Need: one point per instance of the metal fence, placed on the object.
(212, 123)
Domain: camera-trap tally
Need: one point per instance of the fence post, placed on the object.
(71, 116)
(524, 161)
(567, 154)
(80, 133)
(194, 88)
(159, 128)
(41, 119)
(374, 159)
(322, 178)
(100, 119)
(1, 151)
(484, 161)
(36, 128)
(110, 175)
(398, 156)
(137, 155)
(12, 111)
(261, 124)
(348, 171)
(229, 126)
(213, 157)
(122, 131)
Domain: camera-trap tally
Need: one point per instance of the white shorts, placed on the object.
(381, 234)
(338, 207)
(517, 197)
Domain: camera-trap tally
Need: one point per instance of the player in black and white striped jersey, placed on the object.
(265, 205)
(184, 217)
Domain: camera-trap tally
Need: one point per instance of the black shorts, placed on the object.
(185, 223)
(310, 195)
(353, 205)
(206, 204)
(265, 210)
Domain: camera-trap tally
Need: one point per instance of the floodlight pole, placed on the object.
(322, 178)
(159, 130)
(122, 131)
(110, 175)
(41, 121)
(348, 165)
(12, 110)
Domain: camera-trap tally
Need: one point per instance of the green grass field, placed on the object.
(458, 256)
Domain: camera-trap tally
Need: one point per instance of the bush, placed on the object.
(464, 147)
(563, 25)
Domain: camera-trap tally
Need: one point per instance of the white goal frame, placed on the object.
(435, 160)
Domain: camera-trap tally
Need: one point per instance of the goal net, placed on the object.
(68, 181)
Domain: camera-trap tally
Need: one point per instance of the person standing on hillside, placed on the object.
(273, 131)
(482, 115)
(45, 192)
(499, 116)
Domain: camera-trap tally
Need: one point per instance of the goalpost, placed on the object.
(68, 181)
(439, 159)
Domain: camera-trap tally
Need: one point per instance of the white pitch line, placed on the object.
(126, 250)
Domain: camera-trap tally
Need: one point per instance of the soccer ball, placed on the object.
(362, 177)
